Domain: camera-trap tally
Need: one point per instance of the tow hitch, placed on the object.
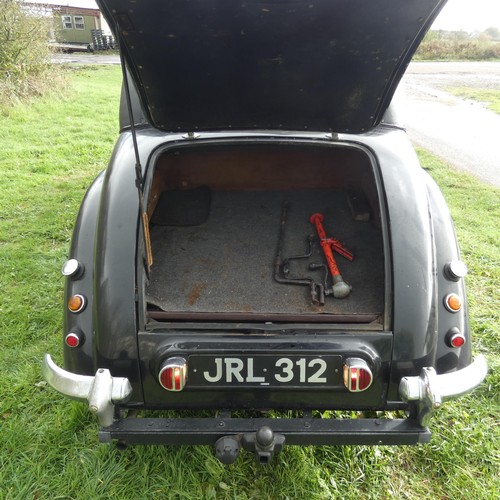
(265, 443)
(263, 436)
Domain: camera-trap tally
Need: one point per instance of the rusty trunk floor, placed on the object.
(226, 264)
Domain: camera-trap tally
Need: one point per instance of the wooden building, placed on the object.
(72, 26)
(75, 24)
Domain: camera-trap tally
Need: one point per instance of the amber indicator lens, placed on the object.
(76, 303)
(173, 374)
(453, 302)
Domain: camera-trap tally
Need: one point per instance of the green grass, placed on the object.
(489, 97)
(51, 150)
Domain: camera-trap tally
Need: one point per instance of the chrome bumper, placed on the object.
(102, 391)
(429, 389)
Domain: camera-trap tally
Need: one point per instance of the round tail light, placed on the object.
(453, 302)
(455, 338)
(72, 268)
(77, 303)
(173, 374)
(455, 270)
(74, 339)
(357, 375)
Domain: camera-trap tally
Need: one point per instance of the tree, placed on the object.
(24, 51)
(492, 33)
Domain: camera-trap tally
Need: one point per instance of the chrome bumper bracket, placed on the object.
(102, 391)
(429, 390)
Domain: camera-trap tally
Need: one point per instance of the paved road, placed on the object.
(85, 58)
(462, 132)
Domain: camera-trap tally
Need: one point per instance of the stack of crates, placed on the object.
(100, 41)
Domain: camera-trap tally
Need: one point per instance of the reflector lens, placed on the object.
(73, 339)
(458, 341)
(77, 303)
(173, 374)
(455, 338)
(453, 302)
(357, 375)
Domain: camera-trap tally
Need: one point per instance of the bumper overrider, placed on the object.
(429, 390)
(102, 391)
(265, 436)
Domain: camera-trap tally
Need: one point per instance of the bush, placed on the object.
(456, 46)
(25, 68)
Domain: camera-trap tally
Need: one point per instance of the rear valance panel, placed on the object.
(316, 65)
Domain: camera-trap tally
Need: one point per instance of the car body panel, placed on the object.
(414, 288)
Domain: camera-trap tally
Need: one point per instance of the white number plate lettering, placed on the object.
(264, 371)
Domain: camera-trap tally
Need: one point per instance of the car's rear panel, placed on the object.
(225, 220)
(264, 368)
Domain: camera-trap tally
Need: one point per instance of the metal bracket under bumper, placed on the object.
(297, 431)
(102, 391)
(429, 389)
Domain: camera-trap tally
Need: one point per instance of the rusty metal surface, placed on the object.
(226, 264)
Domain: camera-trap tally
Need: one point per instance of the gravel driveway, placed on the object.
(461, 131)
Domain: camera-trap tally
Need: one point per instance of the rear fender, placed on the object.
(446, 250)
(80, 360)
(115, 290)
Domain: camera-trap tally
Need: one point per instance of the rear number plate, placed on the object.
(264, 371)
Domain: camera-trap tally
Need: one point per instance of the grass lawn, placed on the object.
(51, 151)
(489, 97)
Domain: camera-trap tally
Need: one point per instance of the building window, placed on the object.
(79, 22)
(67, 22)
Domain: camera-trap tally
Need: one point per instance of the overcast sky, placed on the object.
(468, 15)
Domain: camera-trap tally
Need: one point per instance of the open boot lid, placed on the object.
(317, 65)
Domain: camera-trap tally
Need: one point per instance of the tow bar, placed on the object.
(264, 436)
(265, 443)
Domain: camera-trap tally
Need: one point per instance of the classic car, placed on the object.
(264, 249)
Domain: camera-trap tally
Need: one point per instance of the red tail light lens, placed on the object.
(457, 341)
(173, 374)
(357, 375)
(455, 338)
(74, 339)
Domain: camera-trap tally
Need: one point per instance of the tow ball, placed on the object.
(264, 443)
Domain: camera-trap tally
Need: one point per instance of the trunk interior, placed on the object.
(227, 224)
